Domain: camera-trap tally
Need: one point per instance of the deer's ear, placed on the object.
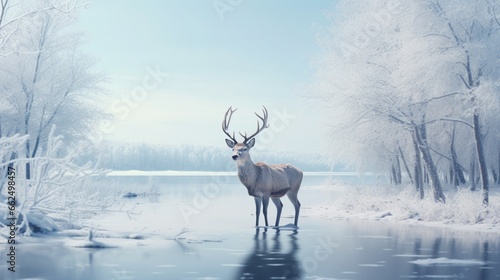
(251, 143)
(230, 143)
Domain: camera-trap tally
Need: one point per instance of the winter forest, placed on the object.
(408, 93)
(413, 88)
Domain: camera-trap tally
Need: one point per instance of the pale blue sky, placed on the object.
(252, 54)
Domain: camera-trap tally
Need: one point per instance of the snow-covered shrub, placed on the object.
(9, 147)
(462, 206)
(56, 191)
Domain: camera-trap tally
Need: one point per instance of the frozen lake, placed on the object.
(223, 244)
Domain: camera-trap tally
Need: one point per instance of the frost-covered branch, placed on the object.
(449, 120)
(9, 148)
(58, 187)
(24, 16)
(428, 100)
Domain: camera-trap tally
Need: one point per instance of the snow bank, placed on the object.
(463, 210)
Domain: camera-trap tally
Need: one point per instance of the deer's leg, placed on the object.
(257, 210)
(296, 204)
(265, 203)
(279, 206)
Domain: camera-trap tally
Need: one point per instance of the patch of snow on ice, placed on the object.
(166, 265)
(372, 265)
(412, 256)
(447, 262)
(320, 278)
(376, 236)
(450, 276)
(89, 244)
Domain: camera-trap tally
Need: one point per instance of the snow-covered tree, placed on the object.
(408, 80)
(56, 190)
(47, 80)
(470, 31)
(16, 15)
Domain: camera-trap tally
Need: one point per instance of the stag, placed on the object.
(263, 181)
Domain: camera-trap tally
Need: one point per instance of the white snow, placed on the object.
(89, 244)
(447, 262)
(463, 210)
(412, 256)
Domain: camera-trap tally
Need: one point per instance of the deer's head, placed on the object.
(241, 149)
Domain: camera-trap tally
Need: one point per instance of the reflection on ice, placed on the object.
(270, 259)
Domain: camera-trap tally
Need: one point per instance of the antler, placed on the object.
(259, 128)
(225, 123)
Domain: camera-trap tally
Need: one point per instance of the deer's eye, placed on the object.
(244, 149)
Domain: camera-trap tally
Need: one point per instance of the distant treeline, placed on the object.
(140, 156)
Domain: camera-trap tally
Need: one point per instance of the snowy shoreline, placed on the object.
(463, 212)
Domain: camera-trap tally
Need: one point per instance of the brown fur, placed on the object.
(263, 181)
(267, 180)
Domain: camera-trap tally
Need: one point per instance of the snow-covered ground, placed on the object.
(463, 210)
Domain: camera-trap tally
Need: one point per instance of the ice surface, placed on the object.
(285, 227)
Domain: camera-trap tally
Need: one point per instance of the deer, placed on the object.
(262, 180)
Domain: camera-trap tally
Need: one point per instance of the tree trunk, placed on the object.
(28, 165)
(494, 174)
(498, 177)
(483, 169)
(418, 166)
(398, 171)
(405, 164)
(457, 174)
(421, 136)
(393, 175)
(472, 178)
